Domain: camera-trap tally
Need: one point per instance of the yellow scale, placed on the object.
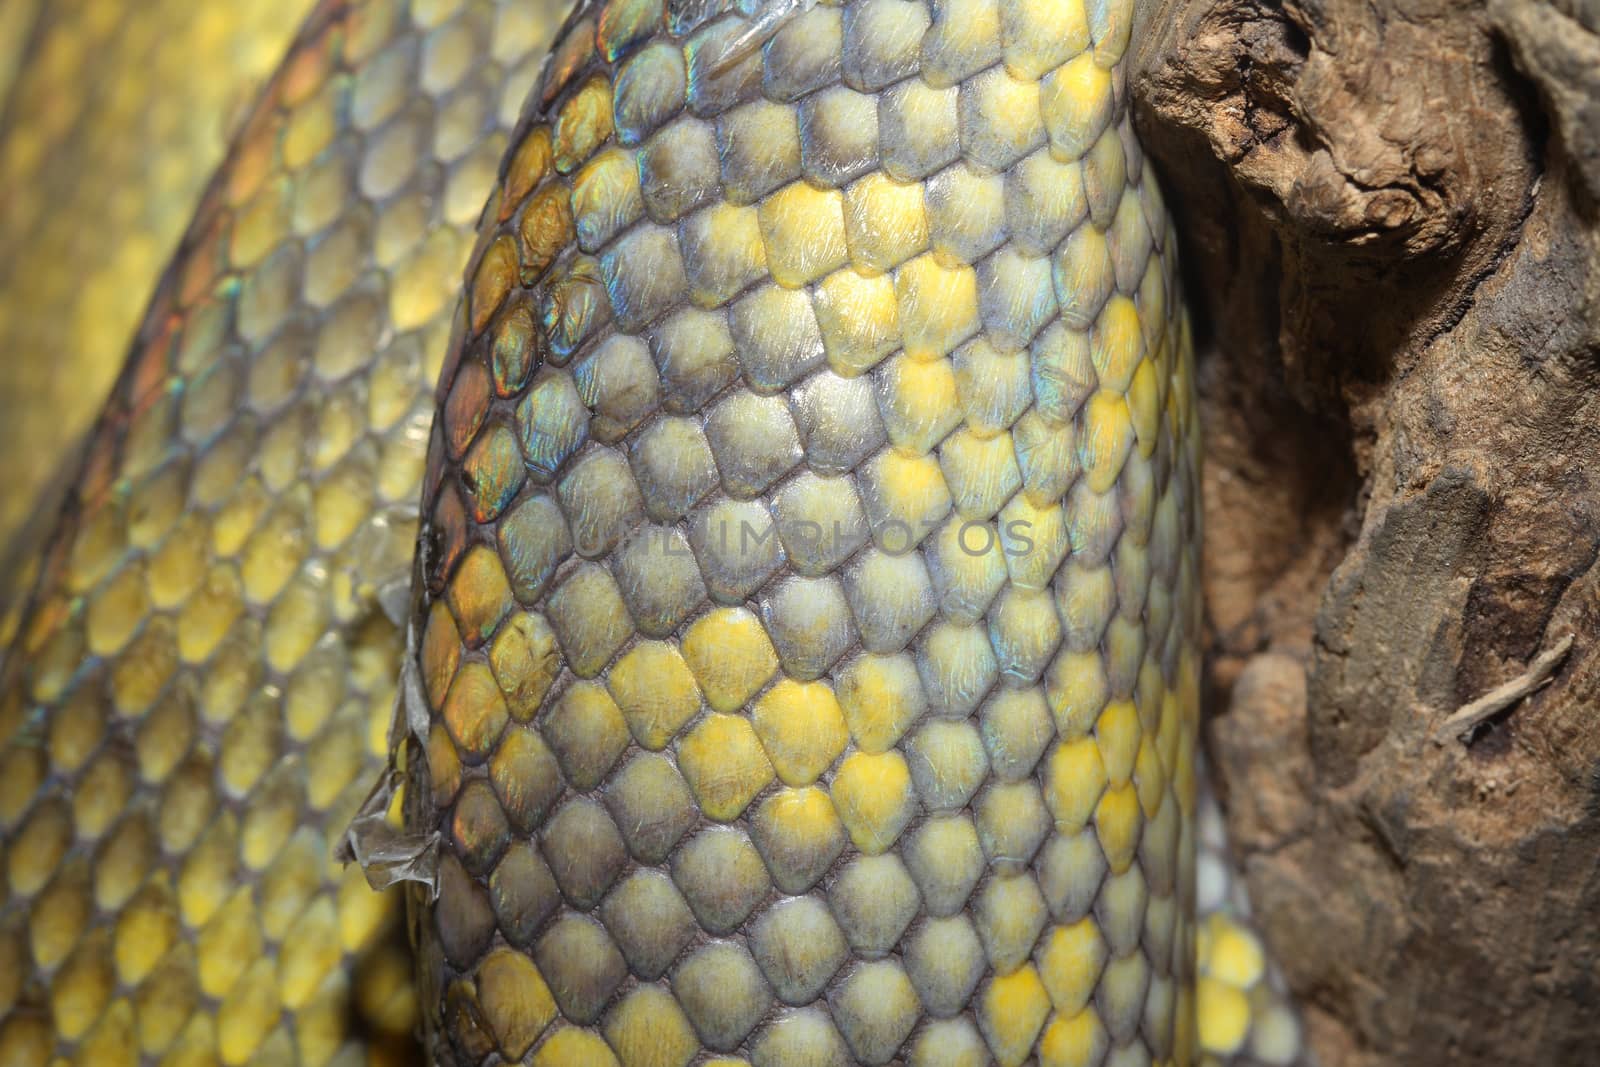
(201, 693)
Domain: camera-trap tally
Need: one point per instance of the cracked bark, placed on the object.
(1393, 250)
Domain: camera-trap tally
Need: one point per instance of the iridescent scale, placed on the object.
(805, 656)
(811, 607)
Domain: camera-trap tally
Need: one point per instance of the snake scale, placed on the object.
(799, 663)
(113, 116)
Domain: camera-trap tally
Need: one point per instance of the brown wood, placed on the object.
(1392, 242)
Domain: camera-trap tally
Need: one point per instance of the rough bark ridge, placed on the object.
(1394, 247)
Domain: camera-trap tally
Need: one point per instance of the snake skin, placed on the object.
(1246, 1014)
(201, 691)
(198, 696)
(116, 115)
(809, 613)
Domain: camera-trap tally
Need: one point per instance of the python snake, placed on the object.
(803, 657)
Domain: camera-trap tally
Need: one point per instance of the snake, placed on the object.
(700, 501)
(114, 117)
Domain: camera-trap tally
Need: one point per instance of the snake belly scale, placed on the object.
(804, 665)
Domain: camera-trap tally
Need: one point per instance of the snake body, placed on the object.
(112, 117)
(739, 721)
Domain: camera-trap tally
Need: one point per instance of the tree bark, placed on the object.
(1393, 251)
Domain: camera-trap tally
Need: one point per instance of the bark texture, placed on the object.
(1394, 247)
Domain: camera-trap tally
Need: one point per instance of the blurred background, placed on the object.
(113, 116)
